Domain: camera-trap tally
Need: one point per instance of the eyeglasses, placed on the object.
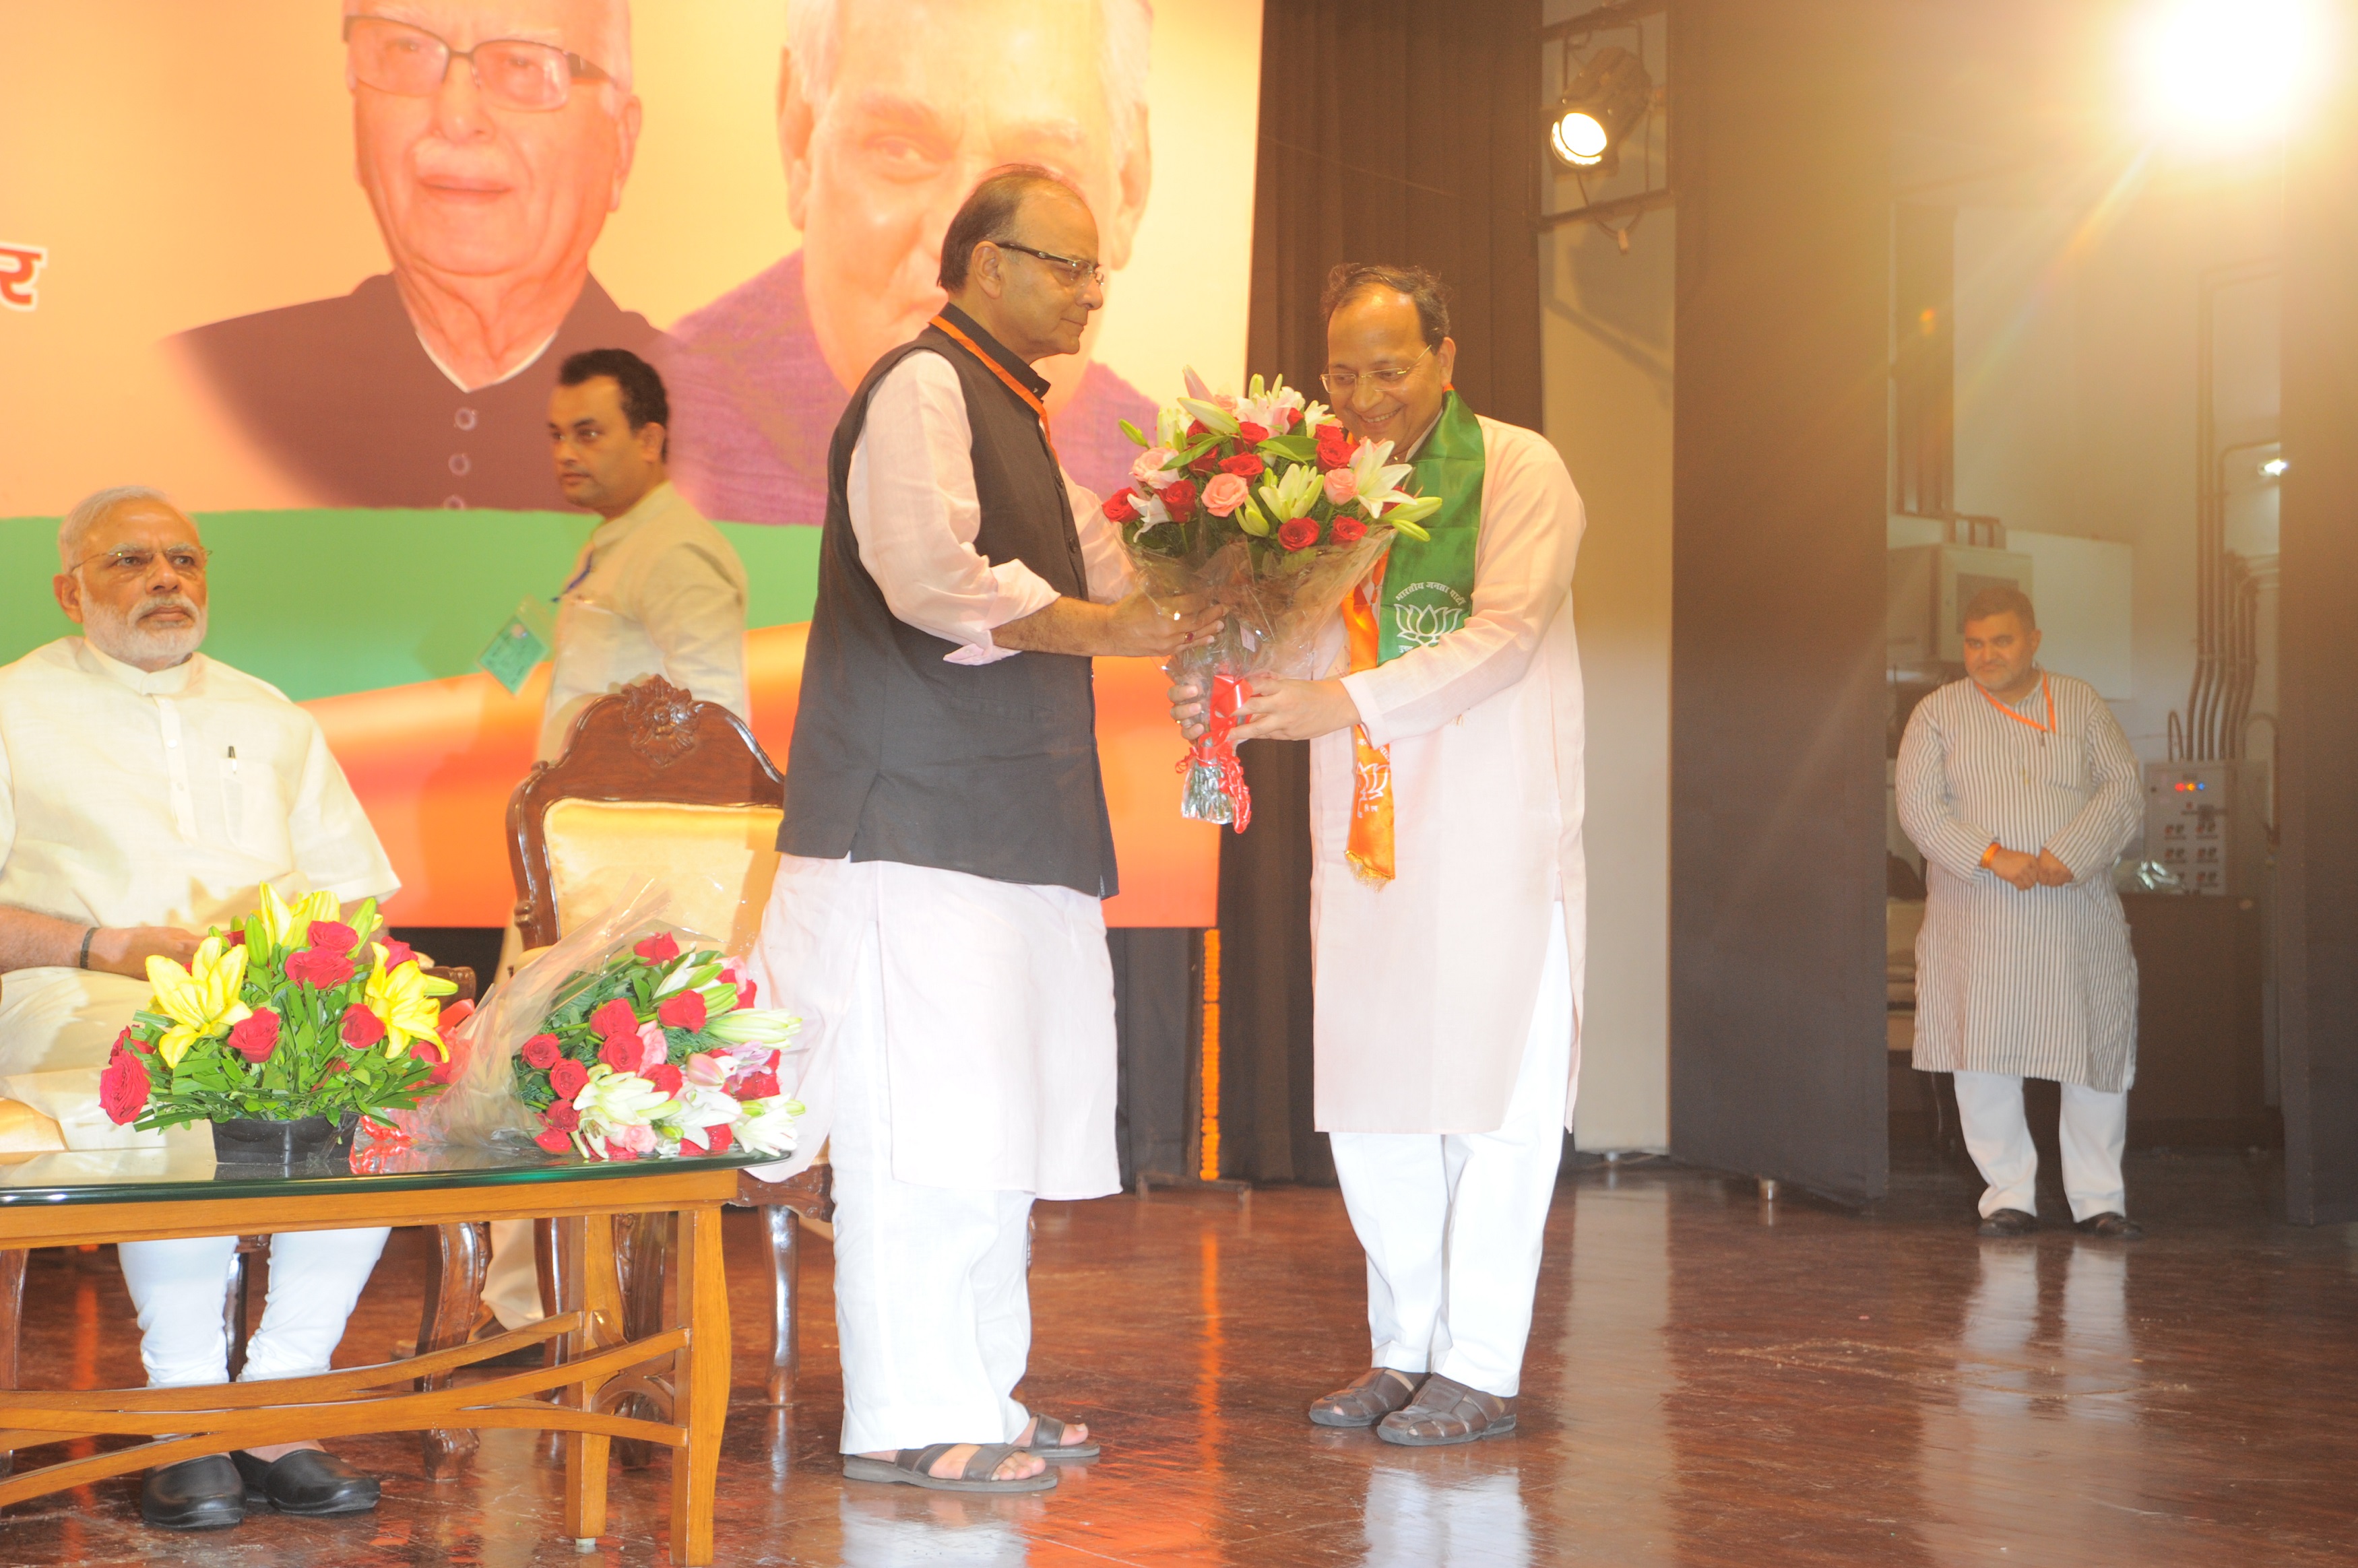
(1070, 270)
(1343, 382)
(133, 561)
(394, 57)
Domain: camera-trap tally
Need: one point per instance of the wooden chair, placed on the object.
(656, 784)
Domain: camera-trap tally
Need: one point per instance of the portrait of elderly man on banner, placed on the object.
(492, 139)
(887, 112)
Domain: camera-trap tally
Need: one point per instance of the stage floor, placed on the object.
(1712, 1381)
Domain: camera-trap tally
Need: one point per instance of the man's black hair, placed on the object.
(2000, 599)
(645, 402)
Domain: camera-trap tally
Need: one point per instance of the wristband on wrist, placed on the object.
(82, 962)
(1989, 854)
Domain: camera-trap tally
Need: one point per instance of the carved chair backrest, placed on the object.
(654, 783)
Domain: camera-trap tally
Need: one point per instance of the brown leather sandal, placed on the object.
(1048, 1441)
(1445, 1410)
(915, 1467)
(1378, 1391)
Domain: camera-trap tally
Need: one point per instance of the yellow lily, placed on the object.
(402, 997)
(289, 925)
(201, 1001)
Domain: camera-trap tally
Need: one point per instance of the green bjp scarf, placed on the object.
(1428, 583)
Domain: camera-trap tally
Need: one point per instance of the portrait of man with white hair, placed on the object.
(492, 139)
(889, 112)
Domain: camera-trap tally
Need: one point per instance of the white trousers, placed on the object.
(177, 1288)
(2095, 1127)
(933, 1311)
(511, 1283)
(1453, 1222)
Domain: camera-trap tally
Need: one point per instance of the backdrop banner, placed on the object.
(309, 268)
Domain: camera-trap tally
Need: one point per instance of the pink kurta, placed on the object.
(1425, 986)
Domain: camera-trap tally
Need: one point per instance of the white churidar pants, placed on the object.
(177, 1287)
(2095, 1127)
(933, 1311)
(1453, 1222)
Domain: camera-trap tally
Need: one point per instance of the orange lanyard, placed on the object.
(2046, 729)
(1017, 387)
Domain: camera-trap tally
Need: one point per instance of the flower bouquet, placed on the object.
(296, 1014)
(657, 1052)
(1265, 506)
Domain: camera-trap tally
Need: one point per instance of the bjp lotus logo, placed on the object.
(1423, 625)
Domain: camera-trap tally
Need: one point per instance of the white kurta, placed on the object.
(131, 798)
(2032, 984)
(998, 997)
(660, 592)
(1425, 986)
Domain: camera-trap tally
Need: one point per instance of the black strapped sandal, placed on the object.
(914, 1468)
(1048, 1441)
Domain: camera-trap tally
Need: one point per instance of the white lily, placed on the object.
(1377, 478)
(610, 1101)
(1171, 427)
(696, 1107)
(686, 977)
(1292, 495)
(769, 1125)
(1211, 416)
(754, 1026)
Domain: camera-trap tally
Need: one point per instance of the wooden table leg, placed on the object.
(586, 1243)
(700, 1396)
(454, 1294)
(12, 1317)
(785, 1278)
(643, 1247)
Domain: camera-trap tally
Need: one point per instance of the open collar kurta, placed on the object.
(2041, 983)
(1425, 986)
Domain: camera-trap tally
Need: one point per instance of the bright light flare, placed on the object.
(2222, 78)
(1580, 138)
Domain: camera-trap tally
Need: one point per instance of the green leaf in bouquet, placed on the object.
(1293, 449)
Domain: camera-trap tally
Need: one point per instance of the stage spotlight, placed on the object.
(1608, 97)
(2222, 78)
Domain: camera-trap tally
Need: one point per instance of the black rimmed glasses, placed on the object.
(1070, 270)
(512, 73)
(133, 561)
(1341, 383)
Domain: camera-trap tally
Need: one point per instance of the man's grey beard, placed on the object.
(131, 640)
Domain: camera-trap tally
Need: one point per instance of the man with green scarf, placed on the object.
(1447, 882)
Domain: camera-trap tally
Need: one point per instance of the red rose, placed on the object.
(1298, 533)
(256, 1036)
(1334, 446)
(758, 1086)
(658, 948)
(1209, 462)
(623, 1052)
(616, 1152)
(556, 1143)
(1179, 500)
(122, 1090)
(1290, 416)
(237, 936)
(541, 1051)
(333, 937)
(745, 994)
(320, 968)
(1196, 428)
(126, 1042)
(717, 1140)
(1245, 466)
(567, 1079)
(445, 1069)
(1250, 434)
(665, 1077)
(1346, 529)
(360, 1027)
(1120, 508)
(615, 1018)
(398, 953)
(562, 1117)
(684, 1010)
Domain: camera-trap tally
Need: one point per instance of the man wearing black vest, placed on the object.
(936, 921)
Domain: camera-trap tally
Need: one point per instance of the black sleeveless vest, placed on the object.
(987, 769)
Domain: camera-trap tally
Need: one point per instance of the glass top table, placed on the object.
(186, 1169)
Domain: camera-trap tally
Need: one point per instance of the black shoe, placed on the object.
(2008, 1222)
(195, 1493)
(2112, 1226)
(306, 1482)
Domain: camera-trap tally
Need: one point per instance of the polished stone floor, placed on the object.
(1712, 1380)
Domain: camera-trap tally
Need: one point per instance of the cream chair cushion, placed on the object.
(718, 862)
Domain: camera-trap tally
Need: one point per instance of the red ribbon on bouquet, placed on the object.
(1215, 751)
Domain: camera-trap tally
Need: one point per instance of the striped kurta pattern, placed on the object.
(2039, 984)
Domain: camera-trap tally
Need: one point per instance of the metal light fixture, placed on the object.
(1608, 97)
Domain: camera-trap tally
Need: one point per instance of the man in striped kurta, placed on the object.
(2020, 788)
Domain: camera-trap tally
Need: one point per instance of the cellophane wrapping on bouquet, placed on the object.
(628, 1038)
(1264, 506)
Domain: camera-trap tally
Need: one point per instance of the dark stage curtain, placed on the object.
(1390, 131)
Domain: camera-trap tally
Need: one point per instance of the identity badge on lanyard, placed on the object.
(2047, 695)
(522, 644)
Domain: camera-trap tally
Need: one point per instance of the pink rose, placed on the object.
(1224, 494)
(1149, 462)
(638, 1140)
(360, 1027)
(653, 1046)
(1342, 486)
(684, 1010)
(256, 1036)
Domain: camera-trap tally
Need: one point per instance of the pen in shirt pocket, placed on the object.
(232, 762)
